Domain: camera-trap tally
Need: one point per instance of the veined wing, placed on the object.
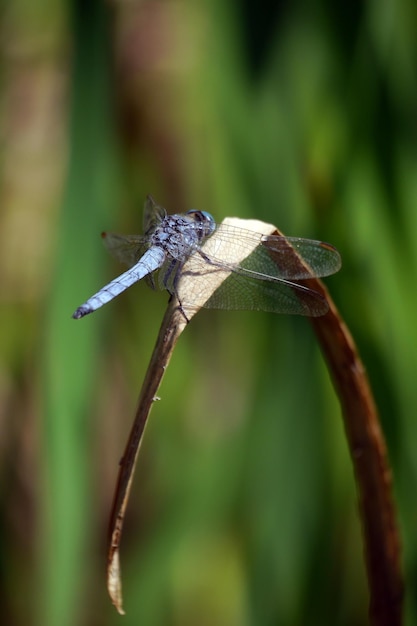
(241, 290)
(318, 258)
(153, 214)
(127, 249)
(263, 279)
(273, 255)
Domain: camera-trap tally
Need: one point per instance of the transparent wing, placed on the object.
(127, 249)
(273, 255)
(153, 214)
(241, 290)
(263, 279)
(318, 258)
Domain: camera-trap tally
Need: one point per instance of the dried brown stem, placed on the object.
(371, 466)
(173, 324)
(370, 462)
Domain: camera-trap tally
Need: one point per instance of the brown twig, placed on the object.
(172, 326)
(370, 462)
(371, 466)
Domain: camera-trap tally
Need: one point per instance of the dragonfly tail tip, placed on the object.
(80, 312)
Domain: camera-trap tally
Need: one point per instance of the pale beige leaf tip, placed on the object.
(114, 582)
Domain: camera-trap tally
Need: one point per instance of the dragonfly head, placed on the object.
(205, 220)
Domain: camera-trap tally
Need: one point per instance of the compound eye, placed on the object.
(206, 220)
(201, 216)
(208, 217)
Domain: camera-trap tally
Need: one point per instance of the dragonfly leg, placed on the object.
(170, 280)
(182, 311)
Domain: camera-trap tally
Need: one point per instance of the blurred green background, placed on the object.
(243, 511)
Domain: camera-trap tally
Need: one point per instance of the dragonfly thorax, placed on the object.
(178, 235)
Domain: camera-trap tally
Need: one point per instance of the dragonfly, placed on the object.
(190, 249)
